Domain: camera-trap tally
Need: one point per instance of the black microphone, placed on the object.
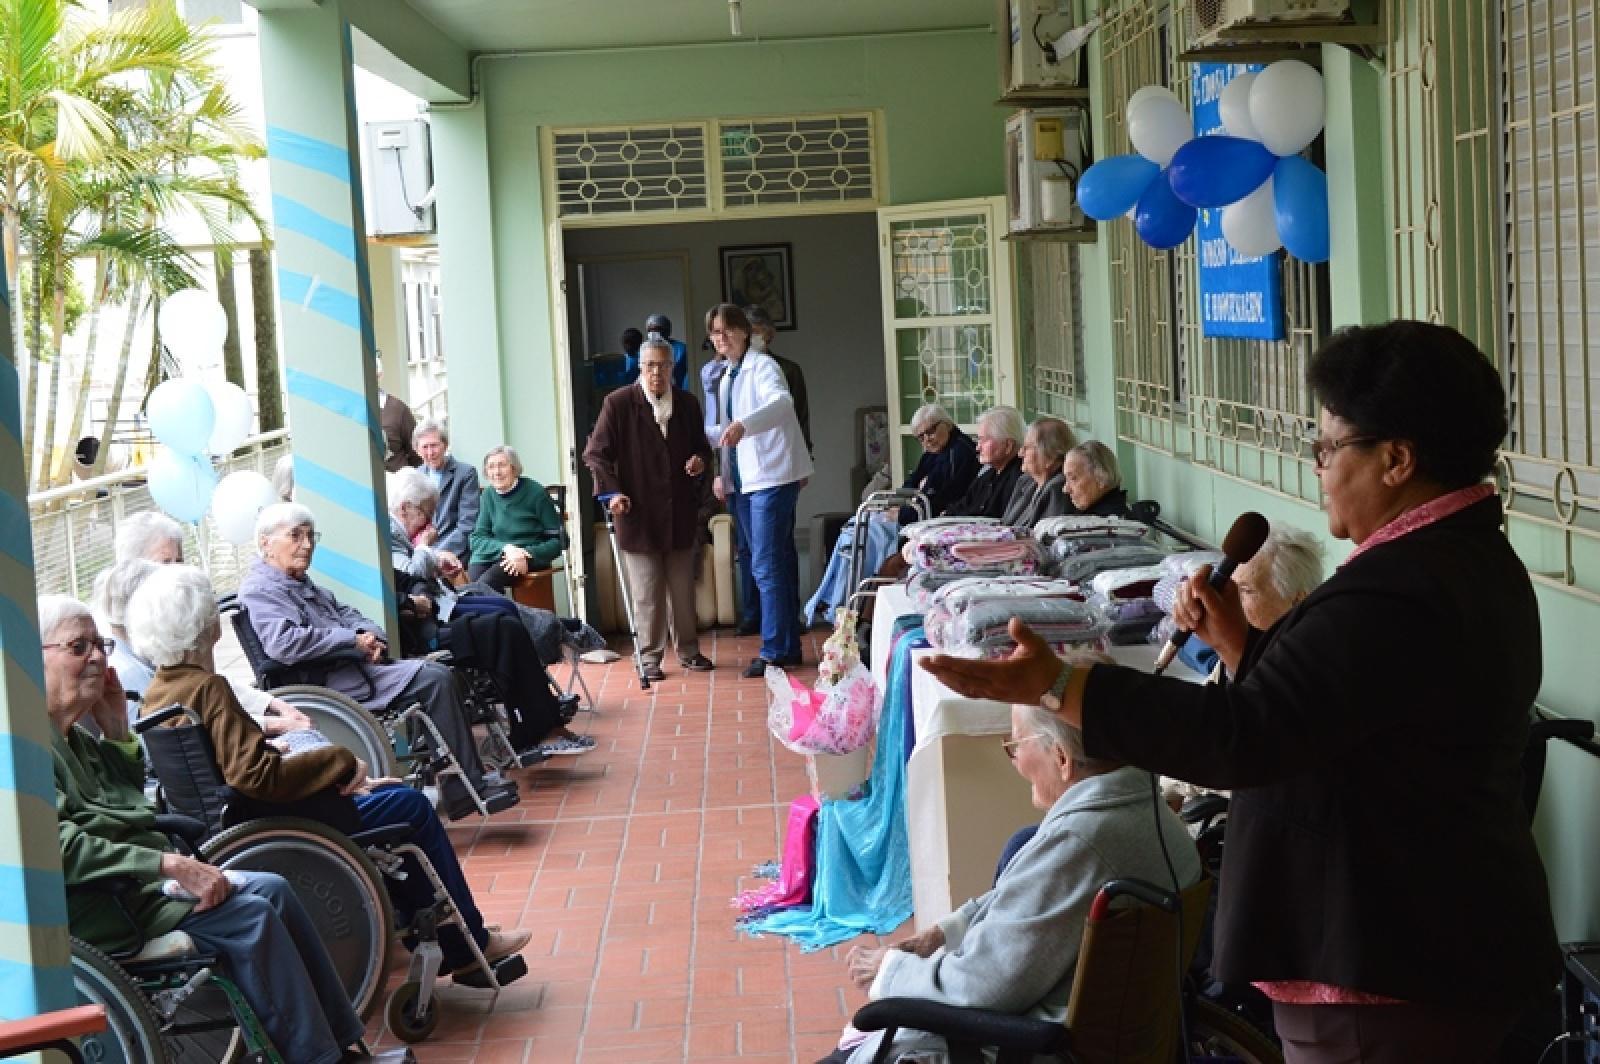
(1248, 533)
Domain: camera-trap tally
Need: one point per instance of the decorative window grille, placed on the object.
(1050, 331)
(633, 170)
(1237, 407)
(1550, 469)
(797, 160)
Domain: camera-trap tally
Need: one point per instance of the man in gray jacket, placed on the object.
(458, 488)
(1015, 949)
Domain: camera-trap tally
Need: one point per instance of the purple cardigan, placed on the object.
(296, 620)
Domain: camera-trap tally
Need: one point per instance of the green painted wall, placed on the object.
(944, 137)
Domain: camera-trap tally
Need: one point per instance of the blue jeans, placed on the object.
(269, 948)
(775, 564)
(749, 596)
(404, 805)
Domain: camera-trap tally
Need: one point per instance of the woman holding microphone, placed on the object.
(1382, 887)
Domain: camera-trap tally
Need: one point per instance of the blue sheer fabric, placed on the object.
(863, 866)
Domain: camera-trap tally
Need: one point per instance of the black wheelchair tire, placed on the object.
(1218, 1033)
(401, 1017)
(133, 1033)
(346, 722)
(359, 939)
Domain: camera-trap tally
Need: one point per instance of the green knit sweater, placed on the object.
(524, 516)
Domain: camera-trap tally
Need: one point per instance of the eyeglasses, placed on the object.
(929, 433)
(79, 647)
(1010, 745)
(655, 367)
(304, 535)
(1322, 451)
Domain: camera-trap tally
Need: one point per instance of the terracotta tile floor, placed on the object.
(623, 862)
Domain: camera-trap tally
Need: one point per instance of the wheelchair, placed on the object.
(339, 879)
(375, 737)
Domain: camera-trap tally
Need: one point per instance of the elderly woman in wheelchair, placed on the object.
(1015, 949)
(251, 922)
(172, 620)
(300, 624)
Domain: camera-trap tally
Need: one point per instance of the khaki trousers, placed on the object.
(662, 587)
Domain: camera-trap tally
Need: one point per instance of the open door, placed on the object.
(569, 433)
(947, 312)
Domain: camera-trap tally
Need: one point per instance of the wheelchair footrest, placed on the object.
(507, 970)
(529, 758)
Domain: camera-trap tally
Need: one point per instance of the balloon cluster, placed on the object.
(1270, 197)
(196, 420)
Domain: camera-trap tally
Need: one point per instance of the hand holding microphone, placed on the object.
(1203, 595)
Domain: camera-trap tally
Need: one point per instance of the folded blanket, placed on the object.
(991, 555)
(1084, 567)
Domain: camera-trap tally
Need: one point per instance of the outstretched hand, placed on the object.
(1023, 678)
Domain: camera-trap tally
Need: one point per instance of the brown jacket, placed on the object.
(627, 454)
(249, 764)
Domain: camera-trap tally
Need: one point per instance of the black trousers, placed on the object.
(499, 645)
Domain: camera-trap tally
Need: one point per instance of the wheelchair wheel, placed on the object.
(405, 1021)
(132, 1034)
(337, 883)
(346, 722)
(1219, 1035)
(203, 1030)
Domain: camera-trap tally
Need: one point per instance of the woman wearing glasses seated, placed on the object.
(1015, 949)
(106, 828)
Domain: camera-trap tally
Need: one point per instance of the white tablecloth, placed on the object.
(894, 602)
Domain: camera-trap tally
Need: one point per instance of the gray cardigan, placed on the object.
(458, 506)
(1015, 949)
(1032, 503)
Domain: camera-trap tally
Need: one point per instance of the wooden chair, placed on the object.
(53, 1030)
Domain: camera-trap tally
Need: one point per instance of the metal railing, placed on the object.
(74, 527)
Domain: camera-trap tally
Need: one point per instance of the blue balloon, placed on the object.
(181, 484)
(1111, 186)
(181, 415)
(1300, 201)
(1162, 220)
(1217, 171)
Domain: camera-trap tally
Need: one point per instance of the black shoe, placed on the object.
(654, 673)
(756, 669)
(567, 707)
(789, 663)
(746, 629)
(698, 663)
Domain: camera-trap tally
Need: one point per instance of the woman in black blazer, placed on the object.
(1381, 883)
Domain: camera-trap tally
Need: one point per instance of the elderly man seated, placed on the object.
(251, 920)
(173, 622)
(297, 621)
(1015, 949)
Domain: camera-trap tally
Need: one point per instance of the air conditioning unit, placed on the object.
(1044, 159)
(1037, 64)
(398, 179)
(1210, 17)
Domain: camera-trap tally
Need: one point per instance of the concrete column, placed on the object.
(325, 300)
(34, 954)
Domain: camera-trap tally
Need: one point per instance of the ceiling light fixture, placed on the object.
(736, 24)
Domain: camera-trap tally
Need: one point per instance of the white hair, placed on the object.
(172, 614)
(430, 427)
(1102, 463)
(1005, 422)
(408, 485)
(1053, 437)
(115, 586)
(283, 477)
(1294, 560)
(1055, 730)
(56, 610)
(510, 453)
(927, 416)
(658, 343)
(279, 516)
(140, 533)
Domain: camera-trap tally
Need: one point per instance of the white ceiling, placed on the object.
(550, 25)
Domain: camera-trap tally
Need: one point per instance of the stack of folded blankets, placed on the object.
(981, 629)
(942, 551)
(1125, 598)
(953, 599)
(1066, 537)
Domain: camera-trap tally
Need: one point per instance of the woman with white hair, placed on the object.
(297, 621)
(151, 535)
(1094, 482)
(251, 921)
(1287, 568)
(1041, 493)
(649, 454)
(518, 529)
(1015, 949)
(173, 622)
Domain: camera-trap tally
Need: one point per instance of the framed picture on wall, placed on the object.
(763, 275)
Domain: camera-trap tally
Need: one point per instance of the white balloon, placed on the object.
(1251, 224)
(1234, 107)
(236, 502)
(1145, 95)
(1159, 128)
(1286, 106)
(193, 327)
(233, 418)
